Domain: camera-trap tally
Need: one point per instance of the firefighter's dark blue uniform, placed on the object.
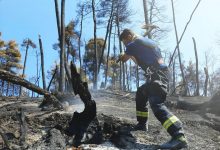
(154, 91)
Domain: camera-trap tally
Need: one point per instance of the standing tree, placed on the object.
(122, 15)
(206, 70)
(95, 47)
(62, 48)
(178, 49)
(106, 6)
(206, 81)
(81, 14)
(42, 63)
(197, 68)
(37, 73)
(108, 53)
(146, 17)
(61, 35)
(89, 58)
(26, 43)
(71, 39)
(9, 60)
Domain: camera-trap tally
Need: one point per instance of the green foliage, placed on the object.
(89, 57)
(71, 38)
(28, 42)
(114, 67)
(91, 44)
(121, 11)
(2, 44)
(10, 56)
(70, 32)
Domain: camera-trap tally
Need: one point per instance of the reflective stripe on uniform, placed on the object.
(182, 138)
(170, 121)
(142, 114)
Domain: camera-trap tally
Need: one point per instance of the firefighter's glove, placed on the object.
(119, 57)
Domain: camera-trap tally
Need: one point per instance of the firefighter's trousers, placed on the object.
(154, 92)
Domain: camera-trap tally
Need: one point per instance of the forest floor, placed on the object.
(114, 108)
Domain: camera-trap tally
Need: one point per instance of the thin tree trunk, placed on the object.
(109, 46)
(106, 36)
(7, 90)
(151, 11)
(146, 17)
(114, 51)
(37, 82)
(62, 48)
(51, 80)
(67, 71)
(206, 81)
(24, 66)
(85, 62)
(13, 89)
(174, 76)
(42, 63)
(197, 68)
(79, 40)
(57, 18)
(3, 84)
(122, 72)
(183, 31)
(32, 94)
(179, 55)
(95, 46)
(68, 51)
(25, 60)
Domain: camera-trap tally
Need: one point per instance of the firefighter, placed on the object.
(145, 52)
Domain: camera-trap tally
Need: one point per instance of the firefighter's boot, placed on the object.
(141, 126)
(175, 143)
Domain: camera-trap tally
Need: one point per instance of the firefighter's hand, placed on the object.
(120, 58)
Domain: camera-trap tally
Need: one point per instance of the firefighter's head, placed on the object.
(127, 36)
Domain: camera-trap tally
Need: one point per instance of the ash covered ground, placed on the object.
(111, 129)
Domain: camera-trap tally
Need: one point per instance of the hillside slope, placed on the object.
(116, 118)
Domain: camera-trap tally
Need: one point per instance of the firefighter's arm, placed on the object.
(125, 57)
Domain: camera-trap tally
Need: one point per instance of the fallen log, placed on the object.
(49, 98)
(190, 106)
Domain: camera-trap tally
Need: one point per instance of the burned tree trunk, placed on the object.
(197, 68)
(51, 80)
(108, 29)
(206, 81)
(178, 49)
(42, 63)
(108, 53)
(80, 121)
(49, 98)
(62, 48)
